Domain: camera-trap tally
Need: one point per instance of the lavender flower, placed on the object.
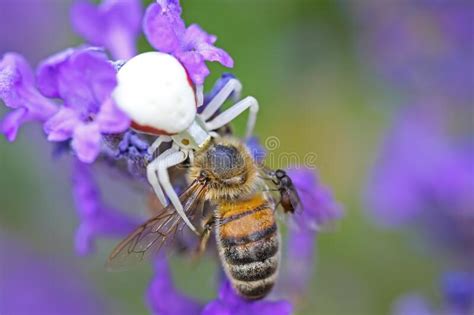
(97, 219)
(458, 289)
(84, 79)
(166, 32)
(114, 25)
(33, 23)
(230, 303)
(84, 117)
(423, 47)
(164, 299)
(319, 208)
(31, 284)
(412, 304)
(18, 91)
(421, 177)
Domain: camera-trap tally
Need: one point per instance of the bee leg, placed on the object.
(230, 114)
(232, 86)
(204, 238)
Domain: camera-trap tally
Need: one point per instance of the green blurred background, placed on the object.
(300, 59)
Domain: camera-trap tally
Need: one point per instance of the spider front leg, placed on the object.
(151, 170)
(162, 166)
(156, 144)
(230, 114)
(232, 86)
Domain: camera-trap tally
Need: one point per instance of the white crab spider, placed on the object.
(154, 90)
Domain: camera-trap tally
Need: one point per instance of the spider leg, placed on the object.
(156, 144)
(173, 159)
(200, 95)
(230, 114)
(232, 86)
(151, 169)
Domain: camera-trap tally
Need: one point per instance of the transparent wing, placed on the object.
(158, 232)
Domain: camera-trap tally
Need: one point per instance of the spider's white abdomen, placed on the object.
(154, 90)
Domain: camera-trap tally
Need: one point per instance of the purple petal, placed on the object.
(165, 30)
(86, 142)
(229, 303)
(163, 297)
(17, 90)
(196, 39)
(318, 205)
(111, 119)
(212, 53)
(61, 126)
(48, 72)
(115, 25)
(195, 65)
(195, 34)
(163, 27)
(82, 77)
(12, 121)
(97, 219)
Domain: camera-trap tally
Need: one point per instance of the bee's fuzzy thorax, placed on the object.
(240, 177)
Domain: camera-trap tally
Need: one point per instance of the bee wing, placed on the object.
(157, 232)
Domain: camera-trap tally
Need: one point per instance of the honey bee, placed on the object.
(243, 221)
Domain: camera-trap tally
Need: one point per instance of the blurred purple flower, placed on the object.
(97, 219)
(458, 288)
(31, 284)
(411, 304)
(421, 177)
(33, 23)
(18, 91)
(164, 299)
(84, 79)
(318, 205)
(256, 149)
(424, 47)
(166, 32)
(229, 303)
(319, 208)
(114, 25)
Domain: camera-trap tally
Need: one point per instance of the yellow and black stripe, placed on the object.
(249, 245)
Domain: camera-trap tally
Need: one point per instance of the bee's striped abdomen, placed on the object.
(249, 245)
